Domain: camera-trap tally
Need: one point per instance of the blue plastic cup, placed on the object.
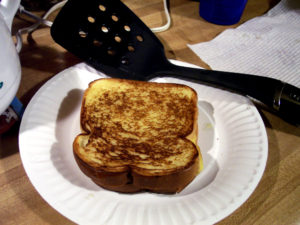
(222, 12)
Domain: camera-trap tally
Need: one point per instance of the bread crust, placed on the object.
(130, 178)
(129, 181)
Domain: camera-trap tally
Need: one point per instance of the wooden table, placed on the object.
(276, 200)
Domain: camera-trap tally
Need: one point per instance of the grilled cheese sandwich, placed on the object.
(138, 136)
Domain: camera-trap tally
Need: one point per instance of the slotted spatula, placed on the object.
(107, 35)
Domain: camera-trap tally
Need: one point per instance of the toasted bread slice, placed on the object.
(138, 136)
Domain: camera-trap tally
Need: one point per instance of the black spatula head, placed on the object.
(110, 37)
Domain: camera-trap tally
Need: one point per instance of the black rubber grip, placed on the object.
(287, 103)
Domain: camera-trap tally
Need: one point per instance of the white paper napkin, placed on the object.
(268, 45)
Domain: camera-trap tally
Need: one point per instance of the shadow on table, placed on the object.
(9, 141)
(278, 123)
(46, 58)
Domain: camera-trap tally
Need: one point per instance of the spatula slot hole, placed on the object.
(118, 39)
(131, 48)
(97, 43)
(102, 8)
(127, 28)
(82, 34)
(111, 52)
(104, 29)
(91, 19)
(124, 61)
(139, 38)
(115, 18)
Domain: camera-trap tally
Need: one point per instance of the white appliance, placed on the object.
(10, 68)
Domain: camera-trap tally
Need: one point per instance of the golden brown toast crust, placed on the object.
(131, 182)
(138, 136)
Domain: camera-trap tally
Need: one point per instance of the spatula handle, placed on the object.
(279, 96)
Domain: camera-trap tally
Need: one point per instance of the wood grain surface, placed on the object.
(276, 199)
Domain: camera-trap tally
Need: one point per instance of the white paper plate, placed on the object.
(232, 139)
